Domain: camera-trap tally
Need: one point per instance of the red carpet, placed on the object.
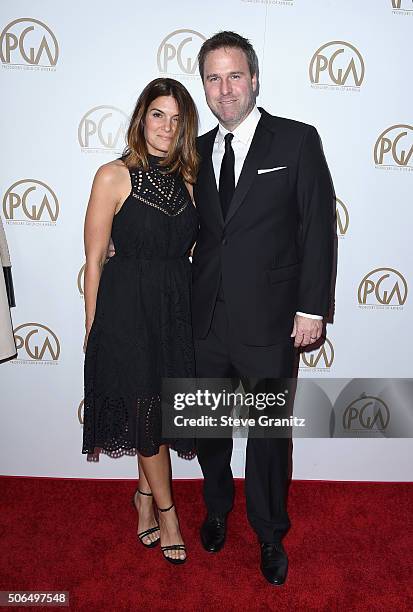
(350, 548)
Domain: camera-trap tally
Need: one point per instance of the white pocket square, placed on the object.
(264, 170)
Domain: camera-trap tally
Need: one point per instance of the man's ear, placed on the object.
(254, 81)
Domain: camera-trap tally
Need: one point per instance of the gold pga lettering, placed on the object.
(342, 217)
(28, 41)
(38, 342)
(178, 52)
(322, 357)
(81, 280)
(366, 412)
(103, 127)
(394, 146)
(337, 63)
(384, 286)
(80, 412)
(30, 200)
(407, 5)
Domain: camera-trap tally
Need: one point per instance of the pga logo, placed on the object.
(28, 42)
(394, 146)
(30, 201)
(383, 287)
(321, 358)
(37, 342)
(178, 52)
(337, 63)
(103, 127)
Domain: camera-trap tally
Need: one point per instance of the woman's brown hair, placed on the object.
(182, 156)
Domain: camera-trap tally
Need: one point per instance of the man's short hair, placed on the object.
(232, 40)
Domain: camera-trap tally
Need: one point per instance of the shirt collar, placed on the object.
(245, 131)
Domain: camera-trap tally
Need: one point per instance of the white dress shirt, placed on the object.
(241, 142)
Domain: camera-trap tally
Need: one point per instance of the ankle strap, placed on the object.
(166, 509)
(143, 493)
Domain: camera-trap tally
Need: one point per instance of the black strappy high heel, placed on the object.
(172, 546)
(147, 532)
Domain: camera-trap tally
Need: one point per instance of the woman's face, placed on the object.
(160, 124)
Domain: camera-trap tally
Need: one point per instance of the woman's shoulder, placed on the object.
(112, 172)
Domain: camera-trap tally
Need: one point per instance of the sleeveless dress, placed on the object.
(142, 327)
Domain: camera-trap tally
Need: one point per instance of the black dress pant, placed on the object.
(221, 355)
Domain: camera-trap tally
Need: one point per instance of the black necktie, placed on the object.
(227, 176)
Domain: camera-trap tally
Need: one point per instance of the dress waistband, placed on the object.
(135, 256)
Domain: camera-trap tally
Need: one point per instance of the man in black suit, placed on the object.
(262, 267)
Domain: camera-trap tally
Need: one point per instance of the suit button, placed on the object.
(224, 241)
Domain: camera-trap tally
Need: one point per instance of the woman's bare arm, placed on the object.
(101, 209)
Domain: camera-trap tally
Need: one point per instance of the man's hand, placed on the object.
(111, 249)
(306, 331)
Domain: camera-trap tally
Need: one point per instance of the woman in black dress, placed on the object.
(138, 319)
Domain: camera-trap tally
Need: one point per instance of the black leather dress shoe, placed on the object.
(213, 532)
(274, 562)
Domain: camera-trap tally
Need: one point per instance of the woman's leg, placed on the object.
(157, 471)
(144, 505)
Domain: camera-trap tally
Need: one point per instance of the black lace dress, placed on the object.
(142, 327)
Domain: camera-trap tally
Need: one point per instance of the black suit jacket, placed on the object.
(275, 248)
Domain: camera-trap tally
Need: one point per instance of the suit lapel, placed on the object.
(207, 179)
(258, 148)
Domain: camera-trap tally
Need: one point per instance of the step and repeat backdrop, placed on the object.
(70, 76)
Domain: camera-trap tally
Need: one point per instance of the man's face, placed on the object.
(229, 86)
